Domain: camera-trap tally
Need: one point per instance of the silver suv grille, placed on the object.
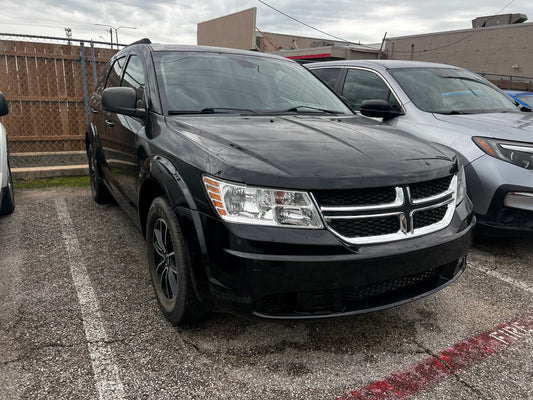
(377, 215)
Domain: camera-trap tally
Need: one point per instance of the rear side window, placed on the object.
(361, 85)
(113, 79)
(329, 76)
(134, 77)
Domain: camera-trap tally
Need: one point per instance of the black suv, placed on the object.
(260, 192)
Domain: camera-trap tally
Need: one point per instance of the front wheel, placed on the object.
(98, 189)
(8, 195)
(169, 264)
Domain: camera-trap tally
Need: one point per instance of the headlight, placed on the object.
(461, 186)
(517, 153)
(262, 206)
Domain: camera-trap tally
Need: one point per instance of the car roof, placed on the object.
(382, 64)
(159, 47)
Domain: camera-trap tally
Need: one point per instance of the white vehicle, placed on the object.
(7, 194)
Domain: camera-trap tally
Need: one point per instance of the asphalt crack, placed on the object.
(453, 373)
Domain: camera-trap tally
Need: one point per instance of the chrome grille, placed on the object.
(374, 215)
(431, 188)
(429, 216)
(366, 226)
(355, 197)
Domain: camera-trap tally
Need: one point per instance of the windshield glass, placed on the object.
(451, 91)
(194, 82)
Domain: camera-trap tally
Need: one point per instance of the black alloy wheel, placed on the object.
(169, 264)
(98, 189)
(165, 262)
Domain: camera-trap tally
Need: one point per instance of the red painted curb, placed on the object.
(412, 380)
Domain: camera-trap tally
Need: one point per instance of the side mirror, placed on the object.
(122, 100)
(4, 109)
(378, 109)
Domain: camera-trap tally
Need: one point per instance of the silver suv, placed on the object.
(457, 108)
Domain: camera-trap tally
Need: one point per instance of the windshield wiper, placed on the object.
(454, 112)
(297, 109)
(213, 110)
(226, 110)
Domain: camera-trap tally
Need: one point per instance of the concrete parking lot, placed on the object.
(79, 320)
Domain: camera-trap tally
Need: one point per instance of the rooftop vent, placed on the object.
(495, 20)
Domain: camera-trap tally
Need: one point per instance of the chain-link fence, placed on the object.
(47, 82)
(510, 82)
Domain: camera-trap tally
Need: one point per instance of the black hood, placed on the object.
(315, 152)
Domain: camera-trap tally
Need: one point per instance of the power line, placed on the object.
(303, 23)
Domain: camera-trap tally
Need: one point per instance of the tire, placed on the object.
(169, 264)
(8, 195)
(99, 190)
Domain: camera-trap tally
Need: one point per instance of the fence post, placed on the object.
(93, 62)
(84, 78)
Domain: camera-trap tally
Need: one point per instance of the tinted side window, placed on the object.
(361, 85)
(113, 79)
(101, 80)
(134, 77)
(330, 76)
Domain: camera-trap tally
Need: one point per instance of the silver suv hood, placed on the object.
(512, 126)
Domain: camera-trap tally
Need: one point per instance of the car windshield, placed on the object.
(207, 83)
(451, 91)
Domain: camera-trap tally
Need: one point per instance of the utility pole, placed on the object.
(116, 31)
(68, 32)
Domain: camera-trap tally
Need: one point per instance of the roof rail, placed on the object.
(141, 41)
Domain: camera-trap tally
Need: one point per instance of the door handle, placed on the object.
(109, 123)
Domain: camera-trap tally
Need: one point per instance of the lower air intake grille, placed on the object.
(359, 293)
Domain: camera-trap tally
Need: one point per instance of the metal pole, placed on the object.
(93, 62)
(84, 78)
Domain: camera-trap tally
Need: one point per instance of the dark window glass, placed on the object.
(191, 82)
(328, 75)
(134, 77)
(113, 79)
(361, 85)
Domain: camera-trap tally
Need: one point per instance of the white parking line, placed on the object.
(105, 370)
(495, 274)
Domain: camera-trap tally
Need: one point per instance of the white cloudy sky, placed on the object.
(174, 21)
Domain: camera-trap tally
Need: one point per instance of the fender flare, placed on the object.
(162, 172)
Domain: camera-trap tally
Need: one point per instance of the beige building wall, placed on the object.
(506, 50)
(291, 42)
(236, 31)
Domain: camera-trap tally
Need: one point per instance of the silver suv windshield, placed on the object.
(207, 83)
(451, 91)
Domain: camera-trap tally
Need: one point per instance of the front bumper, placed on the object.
(510, 212)
(296, 273)
(491, 183)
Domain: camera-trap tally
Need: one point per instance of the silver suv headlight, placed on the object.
(262, 206)
(517, 153)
